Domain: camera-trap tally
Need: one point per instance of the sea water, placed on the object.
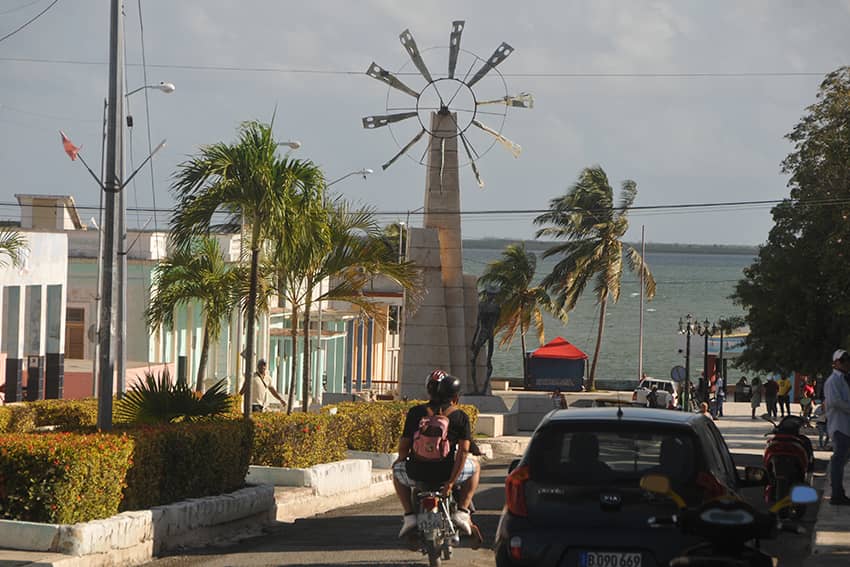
(699, 284)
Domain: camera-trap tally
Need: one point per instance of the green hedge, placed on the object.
(62, 477)
(17, 418)
(377, 426)
(186, 460)
(65, 413)
(298, 440)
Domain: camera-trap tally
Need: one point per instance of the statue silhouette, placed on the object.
(488, 316)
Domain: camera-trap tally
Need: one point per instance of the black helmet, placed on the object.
(432, 383)
(448, 388)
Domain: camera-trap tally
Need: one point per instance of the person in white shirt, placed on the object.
(837, 401)
(261, 387)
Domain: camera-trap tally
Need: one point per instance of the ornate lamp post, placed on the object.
(687, 328)
(705, 329)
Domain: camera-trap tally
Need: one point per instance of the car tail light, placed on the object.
(515, 547)
(711, 487)
(429, 503)
(515, 490)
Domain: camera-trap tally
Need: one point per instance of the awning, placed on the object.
(559, 347)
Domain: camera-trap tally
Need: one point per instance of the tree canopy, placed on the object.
(796, 292)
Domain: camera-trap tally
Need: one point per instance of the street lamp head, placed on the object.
(291, 144)
(167, 88)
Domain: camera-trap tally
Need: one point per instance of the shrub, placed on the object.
(186, 460)
(17, 418)
(65, 413)
(298, 440)
(157, 400)
(62, 477)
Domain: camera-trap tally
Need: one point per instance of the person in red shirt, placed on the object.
(807, 394)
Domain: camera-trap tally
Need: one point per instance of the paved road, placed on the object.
(357, 535)
(366, 534)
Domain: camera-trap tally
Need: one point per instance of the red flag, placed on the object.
(69, 146)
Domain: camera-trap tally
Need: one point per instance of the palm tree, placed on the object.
(346, 248)
(592, 228)
(519, 300)
(249, 181)
(12, 243)
(199, 274)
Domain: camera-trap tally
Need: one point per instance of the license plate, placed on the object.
(609, 559)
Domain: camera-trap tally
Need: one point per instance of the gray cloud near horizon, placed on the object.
(682, 139)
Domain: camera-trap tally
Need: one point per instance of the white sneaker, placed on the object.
(408, 525)
(462, 521)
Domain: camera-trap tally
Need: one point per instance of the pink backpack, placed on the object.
(430, 441)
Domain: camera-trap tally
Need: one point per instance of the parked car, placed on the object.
(667, 397)
(574, 499)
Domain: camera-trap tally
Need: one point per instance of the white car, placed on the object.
(667, 397)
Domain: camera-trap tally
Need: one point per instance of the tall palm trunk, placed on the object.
(202, 363)
(308, 304)
(252, 312)
(293, 372)
(591, 380)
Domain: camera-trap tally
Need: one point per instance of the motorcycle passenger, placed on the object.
(457, 469)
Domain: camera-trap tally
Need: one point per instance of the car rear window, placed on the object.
(602, 453)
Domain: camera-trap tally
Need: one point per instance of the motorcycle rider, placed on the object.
(455, 470)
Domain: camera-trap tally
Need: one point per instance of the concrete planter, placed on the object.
(325, 479)
(135, 537)
(379, 460)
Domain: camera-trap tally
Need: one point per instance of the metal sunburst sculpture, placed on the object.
(448, 95)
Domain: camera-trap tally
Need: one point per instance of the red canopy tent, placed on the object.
(559, 347)
(557, 364)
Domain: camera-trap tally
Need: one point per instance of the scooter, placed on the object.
(436, 534)
(788, 458)
(731, 528)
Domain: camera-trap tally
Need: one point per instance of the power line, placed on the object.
(28, 22)
(27, 5)
(550, 75)
(147, 112)
(513, 212)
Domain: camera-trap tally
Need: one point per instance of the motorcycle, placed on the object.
(788, 458)
(727, 526)
(435, 532)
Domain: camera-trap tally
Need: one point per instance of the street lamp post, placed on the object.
(364, 172)
(121, 312)
(687, 328)
(705, 330)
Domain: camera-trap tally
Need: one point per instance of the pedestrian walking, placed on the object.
(559, 400)
(771, 391)
(836, 393)
(755, 397)
(719, 397)
(261, 389)
(807, 395)
(784, 395)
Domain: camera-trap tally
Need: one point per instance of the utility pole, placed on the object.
(112, 186)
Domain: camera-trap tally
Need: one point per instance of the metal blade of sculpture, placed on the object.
(450, 94)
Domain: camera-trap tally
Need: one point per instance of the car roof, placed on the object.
(629, 414)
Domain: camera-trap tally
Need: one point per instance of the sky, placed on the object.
(689, 99)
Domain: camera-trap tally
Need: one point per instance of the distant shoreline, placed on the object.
(539, 246)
